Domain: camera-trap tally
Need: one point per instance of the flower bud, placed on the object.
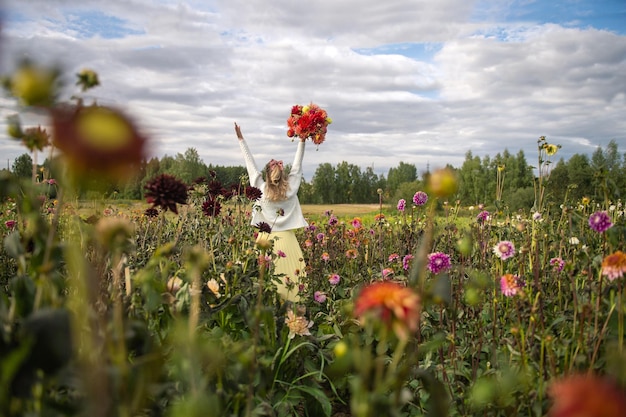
(443, 182)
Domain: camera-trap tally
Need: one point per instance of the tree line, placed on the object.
(506, 178)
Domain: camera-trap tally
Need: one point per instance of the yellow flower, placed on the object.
(550, 149)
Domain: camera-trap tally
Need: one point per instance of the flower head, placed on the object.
(357, 223)
(504, 250)
(420, 198)
(214, 287)
(98, 139)
(211, 207)
(614, 265)
(319, 296)
(10, 224)
(550, 149)
(482, 217)
(151, 212)
(600, 221)
(264, 227)
(397, 306)
(334, 279)
(406, 262)
(166, 191)
(401, 204)
(298, 325)
(510, 285)
(586, 395)
(557, 264)
(438, 262)
(253, 193)
(325, 257)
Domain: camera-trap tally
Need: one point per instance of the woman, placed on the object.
(279, 207)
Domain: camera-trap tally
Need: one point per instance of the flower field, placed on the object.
(429, 310)
(419, 307)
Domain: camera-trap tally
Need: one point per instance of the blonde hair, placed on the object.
(276, 184)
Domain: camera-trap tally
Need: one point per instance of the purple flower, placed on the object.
(438, 262)
(52, 181)
(393, 257)
(406, 262)
(320, 236)
(401, 204)
(319, 296)
(334, 279)
(281, 254)
(504, 250)
(333, 220)
(482, 217)
(387, 273)
(557, 264)
(600, 221)
(420, 198)
(10, 224)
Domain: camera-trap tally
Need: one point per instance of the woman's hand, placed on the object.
(238, 132)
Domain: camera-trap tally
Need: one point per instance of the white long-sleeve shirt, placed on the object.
(267, 211)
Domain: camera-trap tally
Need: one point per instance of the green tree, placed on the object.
(402, 173)
(23, 166)
(324, 184)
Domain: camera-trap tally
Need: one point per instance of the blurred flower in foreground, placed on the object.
(443, 182)
(504, 250)
(438, 262)
(298, 325)
(397, 306)
(586, 396)
(614, 265)
(510, 285)
(166, 191)
(34, 85)
(420, 198)
(600, 221)
(98, 139)
(35, 138)
(87, 79)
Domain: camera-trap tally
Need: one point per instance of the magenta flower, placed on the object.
(438, 262)
(406, 262)
(393, 257)
(281, 254)
(333, 220)
(557, 264)
(325, 257)
(334, 279)
(401, 204)
(387, 273)
(600, 221)
(320, 237)
(504, 250)
(319, 296)
(510, 285)
(482, 217)
(420, 198)
(52, 181)
(10, 224)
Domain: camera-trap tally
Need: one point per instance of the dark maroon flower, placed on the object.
(215, 187)
(264, 227)
(253, 193)
(199, 180)
(166, 191)
(151, 212)
(211, 207)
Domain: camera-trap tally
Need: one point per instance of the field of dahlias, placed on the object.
(169, 307)
(417, 308)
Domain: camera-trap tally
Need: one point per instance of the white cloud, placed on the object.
(188, 70)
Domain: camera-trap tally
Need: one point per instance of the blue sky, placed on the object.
(411, 81)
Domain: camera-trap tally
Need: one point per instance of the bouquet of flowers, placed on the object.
(308, 122)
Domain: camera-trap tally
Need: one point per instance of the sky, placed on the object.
(415, 81)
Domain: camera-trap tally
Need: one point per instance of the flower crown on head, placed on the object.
(308, 122)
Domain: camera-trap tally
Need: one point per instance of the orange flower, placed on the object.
(396, 305)
(614, 265)
(588, 396)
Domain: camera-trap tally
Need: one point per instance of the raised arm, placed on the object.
(253, 171)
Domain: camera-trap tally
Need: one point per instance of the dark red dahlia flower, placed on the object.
(211, 207)
(166, 191)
